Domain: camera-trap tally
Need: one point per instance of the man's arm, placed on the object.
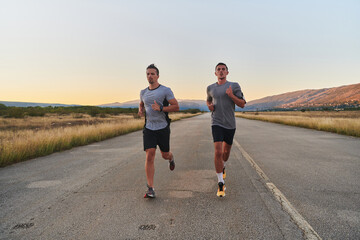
(238, 101)
(174, 106)
(209, 102)
(141, 109)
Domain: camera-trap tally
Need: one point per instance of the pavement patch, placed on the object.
(44, 184)
(205, 181)
(352, 217)
(181, 194)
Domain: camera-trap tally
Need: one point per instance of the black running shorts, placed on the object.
(221, 134)
(159, 137)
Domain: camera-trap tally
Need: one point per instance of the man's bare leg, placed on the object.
(149, 166)
(219, 165)
(225, 156)
(226, 151)
(218, 157)
(169, 156)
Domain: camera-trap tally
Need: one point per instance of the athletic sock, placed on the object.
(220, 177)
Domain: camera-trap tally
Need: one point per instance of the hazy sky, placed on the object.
(96, 51)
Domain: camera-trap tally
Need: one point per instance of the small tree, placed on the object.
(94, 111)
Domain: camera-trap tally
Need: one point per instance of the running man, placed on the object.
(154, 102)
(221, 99)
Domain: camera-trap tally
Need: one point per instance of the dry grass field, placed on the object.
(342, 122)
(22, 139)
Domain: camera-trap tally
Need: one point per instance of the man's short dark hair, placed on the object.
(220, 63)
(153, 67)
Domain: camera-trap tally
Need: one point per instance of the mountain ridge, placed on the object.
(325, 97)
(346, 95)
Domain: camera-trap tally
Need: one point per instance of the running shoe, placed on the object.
(221, 189)
(172, 164)
(224, 173)
(150, 193)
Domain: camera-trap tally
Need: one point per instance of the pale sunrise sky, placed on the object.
(93, 52)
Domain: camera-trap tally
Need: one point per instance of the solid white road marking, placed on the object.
(309, 232)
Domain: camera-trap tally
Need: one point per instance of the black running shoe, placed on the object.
(150, 193)
(172, 164)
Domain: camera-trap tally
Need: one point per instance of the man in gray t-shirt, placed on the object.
(221, 99)
(156, 101)
(156, 120)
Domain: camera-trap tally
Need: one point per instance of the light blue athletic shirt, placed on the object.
(223, 115)
(156, 120)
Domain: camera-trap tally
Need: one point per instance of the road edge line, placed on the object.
(308, 231)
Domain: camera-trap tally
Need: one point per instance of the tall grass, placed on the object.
(55, 120)
(26, 144)
(19, 144)
(346, 123)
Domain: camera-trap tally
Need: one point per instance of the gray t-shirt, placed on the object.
(223, 114)
(156, 120)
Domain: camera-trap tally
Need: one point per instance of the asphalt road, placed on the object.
(96, 191)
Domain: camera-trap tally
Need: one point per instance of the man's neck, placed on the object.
(221, 81)
(154, 85)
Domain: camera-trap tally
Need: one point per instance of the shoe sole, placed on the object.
(223, 191)
(221, 195)
(149, 196)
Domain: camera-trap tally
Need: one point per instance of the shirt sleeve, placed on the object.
(169, 94)
(141, 94)
(237, 91)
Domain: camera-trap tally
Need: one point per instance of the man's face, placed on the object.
(221, 71)
(151, 75)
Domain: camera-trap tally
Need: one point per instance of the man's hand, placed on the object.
(141, 112)
(229, 92)
(238, 101)
(211, 107)
(155, 106)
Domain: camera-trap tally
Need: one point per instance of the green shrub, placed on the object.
(15, 112)
(35, 111)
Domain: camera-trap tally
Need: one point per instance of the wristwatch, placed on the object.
(161, 108)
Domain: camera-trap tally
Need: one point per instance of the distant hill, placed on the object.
(184, 104)
(128, 104)
(31, 104)
(348, 95)
(188, 104)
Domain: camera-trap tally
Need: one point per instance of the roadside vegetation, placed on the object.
(342, 122)
(28, 136)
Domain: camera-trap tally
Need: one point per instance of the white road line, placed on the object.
(309, 232)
